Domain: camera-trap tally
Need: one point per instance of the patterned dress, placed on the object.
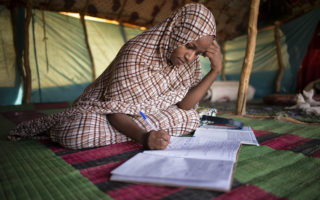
(140, 78)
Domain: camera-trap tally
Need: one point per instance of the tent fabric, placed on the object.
(231, 16)
(295, 37)
(106, 40)
(310, 69)
(149, 12)
(59, 60)
(9, 73)
(298, 36)
(69, 69)
(7, 55)
(68, 59)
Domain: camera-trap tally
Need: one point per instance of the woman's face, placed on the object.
(189, 52)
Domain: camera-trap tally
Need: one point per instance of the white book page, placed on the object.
(220, 133)
(161, 169)
(199, 147)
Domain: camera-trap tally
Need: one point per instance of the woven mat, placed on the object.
(285, 166)
(259, 108)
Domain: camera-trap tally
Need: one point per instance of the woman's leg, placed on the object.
(85, 130)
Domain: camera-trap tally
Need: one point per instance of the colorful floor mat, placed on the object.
(285, 166)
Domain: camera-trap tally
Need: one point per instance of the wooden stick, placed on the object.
(45, 38)
(27, 95)
(279, 56)
(248, 60)
(16, 49)
(223, 73)
(93, 68)
(82, 14)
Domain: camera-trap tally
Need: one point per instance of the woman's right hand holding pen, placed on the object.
(157, 140)
(154, 139)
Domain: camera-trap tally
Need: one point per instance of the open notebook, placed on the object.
(196, 162)
(223, 133)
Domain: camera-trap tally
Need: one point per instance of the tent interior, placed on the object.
(51, 50)
(61, 65)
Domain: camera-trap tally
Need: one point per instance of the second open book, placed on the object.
(206, 160)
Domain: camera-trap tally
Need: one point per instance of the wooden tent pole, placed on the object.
(223, 73)
(279, 56)
(93, 68)
(27, 94)
(248, 60)
(45, 38)
(82, 14)
(16, 49)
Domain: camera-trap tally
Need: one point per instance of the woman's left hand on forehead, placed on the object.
(214, 55)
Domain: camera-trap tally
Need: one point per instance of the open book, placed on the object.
(196, 162)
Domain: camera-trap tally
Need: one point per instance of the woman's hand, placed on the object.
(214, 55)
(158, 140)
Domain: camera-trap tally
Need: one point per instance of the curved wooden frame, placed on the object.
(279, 56)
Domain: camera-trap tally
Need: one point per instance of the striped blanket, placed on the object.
(285, 166)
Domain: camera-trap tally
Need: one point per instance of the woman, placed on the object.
(157, 72)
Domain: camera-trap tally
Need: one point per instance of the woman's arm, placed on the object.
(152, 140)
(196, 93)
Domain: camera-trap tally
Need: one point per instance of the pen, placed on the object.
(147, 120)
